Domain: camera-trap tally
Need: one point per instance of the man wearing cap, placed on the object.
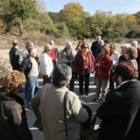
(14, 55)
(46, 64)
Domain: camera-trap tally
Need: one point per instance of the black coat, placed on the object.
(13, 122)
(96, 48)
(26, 65)
(120, 113)
(14, 54)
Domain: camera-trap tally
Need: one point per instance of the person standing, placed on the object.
(54, 53)
(67, 56)
(13, 121)
(96, 47)
(103, 64)
(14, 54)
(24, 53)
(135, 45)
(30, 67)
(115, 56)
(51, 100)
(46, 64)
(131, 54)
(84, 62)
(123, 51)
(120, 112)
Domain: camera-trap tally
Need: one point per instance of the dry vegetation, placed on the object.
(39, 38)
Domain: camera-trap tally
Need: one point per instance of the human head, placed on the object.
(105, 50)
(85, 46)
(125, 71)
(131, 53)
(29, 44)
(48, 48)
(13, 81)
(101, 42)
(32, 52)
(79, 43)
(106, 43)
(51, 43)
(98, 38)
(113, 47)
(134, 44)
(68, 45)
(124, 47)
(61, 76)
(15, 42)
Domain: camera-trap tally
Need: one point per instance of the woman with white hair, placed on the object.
(123, 50)
(134, 43)
(67, 56)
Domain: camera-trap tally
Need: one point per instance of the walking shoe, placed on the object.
(96, 98)
(29, 107)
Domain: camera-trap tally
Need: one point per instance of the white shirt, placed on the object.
(126, 82)
(46, 64)
(115, 56)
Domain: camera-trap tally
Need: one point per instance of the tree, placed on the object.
(73, 15)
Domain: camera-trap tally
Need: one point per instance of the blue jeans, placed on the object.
(32, 87)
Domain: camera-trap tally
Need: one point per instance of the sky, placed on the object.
(91, 6)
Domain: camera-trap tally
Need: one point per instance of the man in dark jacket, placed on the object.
(96, 46)
(120, 113)
(14, 54)
(30, 67)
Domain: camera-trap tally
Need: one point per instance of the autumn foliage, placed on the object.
(72, 21)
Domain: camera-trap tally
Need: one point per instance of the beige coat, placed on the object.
(52, 112)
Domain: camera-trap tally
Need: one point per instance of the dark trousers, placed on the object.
(46, 80)
(81, 81)
(72, 82)
(111, 82)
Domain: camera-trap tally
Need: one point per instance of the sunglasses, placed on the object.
(85, 47)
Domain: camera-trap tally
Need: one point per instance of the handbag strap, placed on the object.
(65, 119)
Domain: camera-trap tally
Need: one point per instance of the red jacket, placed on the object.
(79, 63)
(103, 71)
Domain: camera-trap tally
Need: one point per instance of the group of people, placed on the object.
(119, 111)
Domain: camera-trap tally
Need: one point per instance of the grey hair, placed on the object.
(29, 44)
(61, 74)
(125, 46)
(68, 43)
(98, 37)
(135, 43)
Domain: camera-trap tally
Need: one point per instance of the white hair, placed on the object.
(125, 46)
(98, 37)
(68, 43)
(135, 43)
(51, 42)
(101, 42)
